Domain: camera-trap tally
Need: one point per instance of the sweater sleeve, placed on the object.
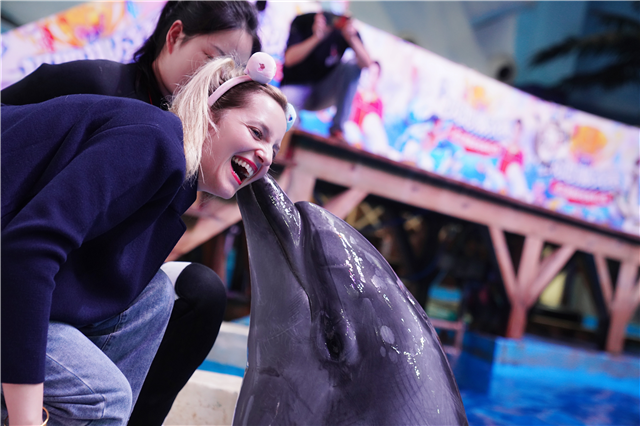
(113, 173)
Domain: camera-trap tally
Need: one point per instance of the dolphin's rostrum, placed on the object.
(335, 338)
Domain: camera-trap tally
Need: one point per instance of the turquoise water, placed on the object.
(513, 401)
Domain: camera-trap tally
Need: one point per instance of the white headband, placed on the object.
(261, 67)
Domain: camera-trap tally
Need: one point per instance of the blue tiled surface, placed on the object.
(243, 320)
(590, 322)
(535, 353)
(216, 367)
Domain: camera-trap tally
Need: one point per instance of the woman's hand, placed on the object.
(350, 34)
(24, 403)
(348, 31)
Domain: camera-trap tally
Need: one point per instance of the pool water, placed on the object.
(529, 381)
(533, 381)
(519, 402)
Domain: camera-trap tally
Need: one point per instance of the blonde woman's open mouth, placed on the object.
(242, 168)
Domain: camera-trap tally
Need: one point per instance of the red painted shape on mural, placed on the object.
(579, 195)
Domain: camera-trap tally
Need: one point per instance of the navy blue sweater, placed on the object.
(92, 196)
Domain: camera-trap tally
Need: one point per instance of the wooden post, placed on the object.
(624, 304)
(530, 261)
(518, 315)
(517, 320)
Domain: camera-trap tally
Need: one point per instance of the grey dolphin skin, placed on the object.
(335, 338)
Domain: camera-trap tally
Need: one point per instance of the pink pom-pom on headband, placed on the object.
(261, 67)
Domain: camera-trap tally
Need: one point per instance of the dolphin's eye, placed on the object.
(332, 338)
(334, 345)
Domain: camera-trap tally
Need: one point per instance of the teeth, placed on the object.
(248, 169)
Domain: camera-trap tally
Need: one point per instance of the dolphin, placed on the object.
(335, 338)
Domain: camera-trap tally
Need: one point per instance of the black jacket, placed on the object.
(98, 77)
(322, 59)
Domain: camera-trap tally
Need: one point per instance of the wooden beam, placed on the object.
(504, 262)
(524, 290)
(605, 279)
(284, 179)
(530, 261)
(342, 204)
(206, 228)
(549, 268)
(466, 207)
(209, 206)
(298, 184)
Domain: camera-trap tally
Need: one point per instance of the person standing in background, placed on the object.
(188, 34)
(314, 75)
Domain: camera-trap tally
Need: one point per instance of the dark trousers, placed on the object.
(192, 330)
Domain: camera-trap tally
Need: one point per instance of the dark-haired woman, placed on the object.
(188, 34)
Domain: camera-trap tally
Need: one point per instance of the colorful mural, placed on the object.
(417, 108)
(99, 30)
(412, 107)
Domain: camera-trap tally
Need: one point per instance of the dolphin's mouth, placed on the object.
(263, 200)
(279, 211)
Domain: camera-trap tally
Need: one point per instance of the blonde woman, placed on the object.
(93, 190)
(187, 35)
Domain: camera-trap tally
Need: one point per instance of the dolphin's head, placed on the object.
(335, 337)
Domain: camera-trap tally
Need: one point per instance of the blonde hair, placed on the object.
(191, 105)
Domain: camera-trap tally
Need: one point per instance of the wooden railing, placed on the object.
(309, 158)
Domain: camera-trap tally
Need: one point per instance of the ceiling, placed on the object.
(16, 13)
